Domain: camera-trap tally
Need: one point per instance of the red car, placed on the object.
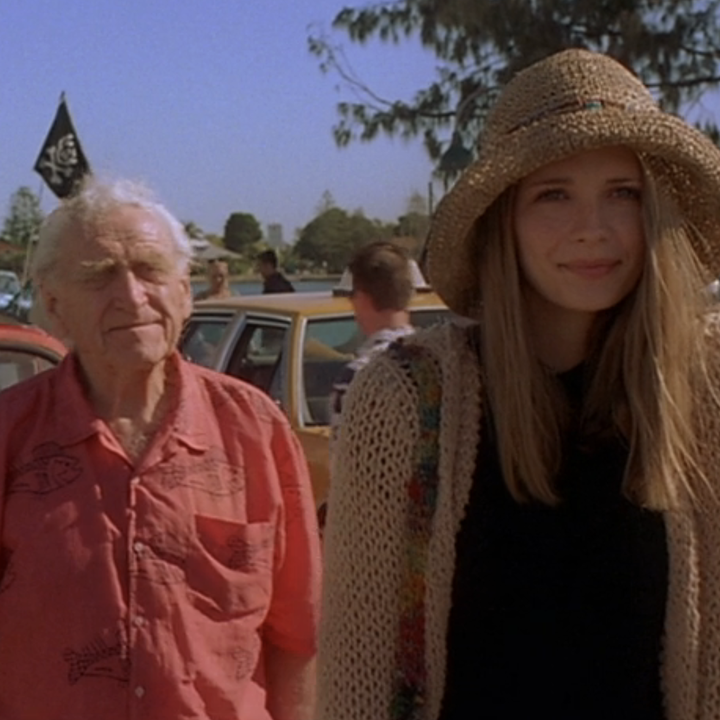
(26, 351)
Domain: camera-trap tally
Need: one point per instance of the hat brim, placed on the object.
(684, 159)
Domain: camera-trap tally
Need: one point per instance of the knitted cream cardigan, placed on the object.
(366, 544)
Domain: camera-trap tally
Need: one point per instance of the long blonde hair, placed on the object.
(646, 363)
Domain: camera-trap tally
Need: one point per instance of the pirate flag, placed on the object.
(61, 161)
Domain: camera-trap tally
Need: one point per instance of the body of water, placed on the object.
(254, 287)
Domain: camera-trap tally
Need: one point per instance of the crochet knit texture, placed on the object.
(369, 553)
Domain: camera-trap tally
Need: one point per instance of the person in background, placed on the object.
(524, 515)
(273, 280)
(159, 555)
(382, 287)
(218, 278)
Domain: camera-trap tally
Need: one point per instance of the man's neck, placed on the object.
(387, 320)
(132, 405)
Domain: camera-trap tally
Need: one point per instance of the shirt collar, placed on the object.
(75, 419)
(385, 336)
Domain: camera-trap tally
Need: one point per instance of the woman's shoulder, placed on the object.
(439, 353)
(442, 341)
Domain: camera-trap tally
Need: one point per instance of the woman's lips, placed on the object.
(591, 269)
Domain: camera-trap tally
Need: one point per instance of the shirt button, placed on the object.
(138, 547)
(139, 691)
(139, 621)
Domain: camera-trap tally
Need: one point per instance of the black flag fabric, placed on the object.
(61, 161)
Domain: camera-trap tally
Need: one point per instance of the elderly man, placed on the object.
(159, 555)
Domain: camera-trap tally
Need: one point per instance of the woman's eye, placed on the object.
(551, 194)
(628, 193)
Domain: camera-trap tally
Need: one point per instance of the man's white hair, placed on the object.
(95, 198)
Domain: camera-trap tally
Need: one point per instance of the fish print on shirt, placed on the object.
(249, 556)
(51, 468)
(100, 658)
(210, 473)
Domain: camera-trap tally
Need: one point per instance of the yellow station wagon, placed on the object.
(292, 347)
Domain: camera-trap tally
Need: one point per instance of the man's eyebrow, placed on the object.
(90, 268)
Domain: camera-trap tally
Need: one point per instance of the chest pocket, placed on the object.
(230, 571)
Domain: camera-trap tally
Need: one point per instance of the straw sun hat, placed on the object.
(569, 102)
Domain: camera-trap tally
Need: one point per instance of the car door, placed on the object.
(20, 361)
(202, 338)
(259, 354)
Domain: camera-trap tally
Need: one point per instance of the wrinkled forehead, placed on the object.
(122, 233)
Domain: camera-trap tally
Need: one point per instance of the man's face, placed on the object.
(117, 293)
(265, 269)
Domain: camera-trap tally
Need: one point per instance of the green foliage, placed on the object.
(674, 45)
(14, 261)
(413, 224)
(24, 218)
(242, 231)
(330, 239)
(327, 201)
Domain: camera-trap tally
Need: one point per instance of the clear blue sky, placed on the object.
(216, 104)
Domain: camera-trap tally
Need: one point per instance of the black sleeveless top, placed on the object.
(557, 612)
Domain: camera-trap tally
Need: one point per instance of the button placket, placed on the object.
(136, 550)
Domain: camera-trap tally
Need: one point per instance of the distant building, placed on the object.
(275, 235)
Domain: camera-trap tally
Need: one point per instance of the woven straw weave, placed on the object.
(366, 544)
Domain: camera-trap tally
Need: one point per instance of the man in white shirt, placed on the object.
(382, 286)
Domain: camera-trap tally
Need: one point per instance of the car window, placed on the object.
(329, 344)
(258, 357)
(425, 317)
(201, 339)
(17, 365)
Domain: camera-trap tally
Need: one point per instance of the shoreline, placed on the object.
(291, 278)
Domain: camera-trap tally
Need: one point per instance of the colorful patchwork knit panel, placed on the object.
(410, 683)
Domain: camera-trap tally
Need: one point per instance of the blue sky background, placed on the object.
(216, 104)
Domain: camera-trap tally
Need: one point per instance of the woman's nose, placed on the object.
(591, 222)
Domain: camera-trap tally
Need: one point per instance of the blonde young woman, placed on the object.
(524, 519)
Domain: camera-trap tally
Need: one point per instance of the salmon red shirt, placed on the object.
(147, 592)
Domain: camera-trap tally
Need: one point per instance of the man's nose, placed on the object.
(130, 288)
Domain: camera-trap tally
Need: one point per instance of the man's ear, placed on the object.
(50, 311)
(187, 297)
